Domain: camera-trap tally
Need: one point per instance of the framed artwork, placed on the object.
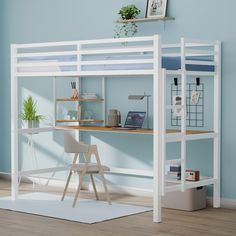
(156, 8)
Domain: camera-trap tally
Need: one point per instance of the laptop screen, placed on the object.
(135, 119)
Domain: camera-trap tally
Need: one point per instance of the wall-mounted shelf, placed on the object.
(80, 100)
(86, 120)
(146, 19)
(35, 130)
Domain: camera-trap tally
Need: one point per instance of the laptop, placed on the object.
(134, 120)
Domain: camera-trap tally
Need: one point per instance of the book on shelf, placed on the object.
(175, 167)
(89, 96)
(174, 175)
(190, 175)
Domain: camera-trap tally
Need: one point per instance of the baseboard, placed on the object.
(224, 202)
(44, 181)
(5, 176)
(113, 188)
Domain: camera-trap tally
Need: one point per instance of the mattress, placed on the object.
(169, 63)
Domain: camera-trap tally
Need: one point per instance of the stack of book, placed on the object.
(89, 95)
(174, 172)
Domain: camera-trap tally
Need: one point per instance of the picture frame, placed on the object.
(156, 8)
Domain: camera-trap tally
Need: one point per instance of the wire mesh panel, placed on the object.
(194, 104)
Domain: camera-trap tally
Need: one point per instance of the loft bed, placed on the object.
(137, 56)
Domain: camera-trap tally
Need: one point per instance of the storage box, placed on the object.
(190, 200)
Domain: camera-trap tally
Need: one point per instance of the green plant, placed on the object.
(127, 29)
(30, 110)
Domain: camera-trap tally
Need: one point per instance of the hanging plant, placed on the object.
(127, 29)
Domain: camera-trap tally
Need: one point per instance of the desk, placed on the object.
(135, 131)
(102, 129)
(105, 129)
(171, 136)
(159, 161)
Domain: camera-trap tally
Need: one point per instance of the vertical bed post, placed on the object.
(54, 100)
(162, 129)
(183, 114)
(217, 125)
(157, 165)
(104, 98)
(79, 85)
(79, 68)
(14, 125)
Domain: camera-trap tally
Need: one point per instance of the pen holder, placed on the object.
(74, 94)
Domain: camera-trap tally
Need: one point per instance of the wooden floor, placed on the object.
(217, 222)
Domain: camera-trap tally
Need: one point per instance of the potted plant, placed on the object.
(127, 29)
(29, 115)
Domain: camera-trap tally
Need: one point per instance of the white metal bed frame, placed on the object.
(153, 44)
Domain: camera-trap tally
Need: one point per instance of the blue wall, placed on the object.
(38, 21)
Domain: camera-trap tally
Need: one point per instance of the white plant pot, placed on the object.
(29, 124)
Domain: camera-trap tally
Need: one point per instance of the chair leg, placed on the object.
(69, 177)
(105, 188)
(94, 187)
(102, 176)
(87, 161)
(78, 190)
(67, 184)
(19, 181)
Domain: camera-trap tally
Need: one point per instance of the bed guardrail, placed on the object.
(122, 56)
(102, 56)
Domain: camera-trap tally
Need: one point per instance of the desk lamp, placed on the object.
(141, 97)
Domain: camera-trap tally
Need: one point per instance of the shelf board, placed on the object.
(82, 121)
(35, 130)
(80, 100)
(146, 19)
(204, 181)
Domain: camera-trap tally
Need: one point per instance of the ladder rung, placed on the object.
(169, 107)
(174, 161)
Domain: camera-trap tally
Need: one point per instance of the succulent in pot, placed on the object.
(29, 116)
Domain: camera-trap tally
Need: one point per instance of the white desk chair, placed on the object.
(71, 145)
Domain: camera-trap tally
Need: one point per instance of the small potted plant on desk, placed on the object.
(127, 28)
(29, 116)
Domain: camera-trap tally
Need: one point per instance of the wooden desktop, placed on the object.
(135, 131)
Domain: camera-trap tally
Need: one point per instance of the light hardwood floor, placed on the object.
(217, 222)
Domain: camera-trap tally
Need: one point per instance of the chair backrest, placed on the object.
(71, 145)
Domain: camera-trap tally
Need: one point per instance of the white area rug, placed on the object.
(86, 211)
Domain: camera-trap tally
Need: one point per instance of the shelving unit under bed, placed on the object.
(138, 56)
